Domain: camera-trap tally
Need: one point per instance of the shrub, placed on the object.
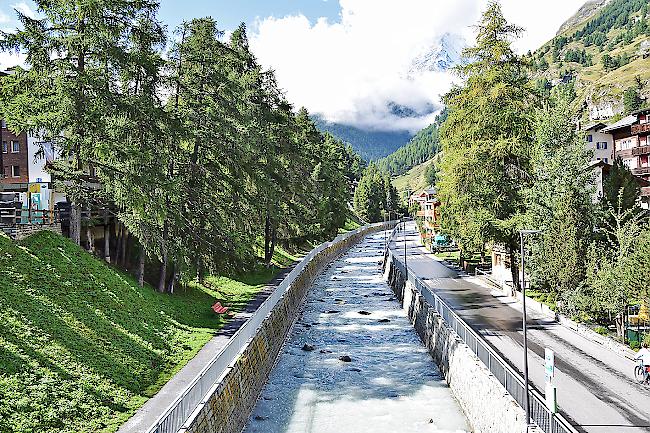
(601, 330)
(634, 345)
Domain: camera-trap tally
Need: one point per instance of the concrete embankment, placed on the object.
(487, 405)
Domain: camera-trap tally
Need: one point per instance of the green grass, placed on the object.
(350, 224)
(414, 179)
(82, 346)
(450, 256)
(547, 299)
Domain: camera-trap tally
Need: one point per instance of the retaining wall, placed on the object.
(485, 402)
(233, 398)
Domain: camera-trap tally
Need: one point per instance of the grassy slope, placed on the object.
(82, 346)
(413, 179)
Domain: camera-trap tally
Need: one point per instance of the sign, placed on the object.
(549, 364)
(551, 397)
(35, 188)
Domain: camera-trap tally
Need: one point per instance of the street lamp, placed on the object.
(406, 268)
(522, 234)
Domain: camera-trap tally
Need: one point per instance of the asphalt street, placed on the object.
(595, 386)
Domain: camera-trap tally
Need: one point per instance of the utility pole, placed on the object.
(406, 268)
(523, 302)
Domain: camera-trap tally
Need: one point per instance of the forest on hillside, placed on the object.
(421, 148)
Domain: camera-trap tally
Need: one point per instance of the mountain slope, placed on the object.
(371, 145)
(422, 147)
(604, 48)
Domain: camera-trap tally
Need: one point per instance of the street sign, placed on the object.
(549, 364)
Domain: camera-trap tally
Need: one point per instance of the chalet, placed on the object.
(428, 212)
(630, 135)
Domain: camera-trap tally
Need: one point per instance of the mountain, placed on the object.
(445, 55)
(371, 145)
(604, 51)
(587, 11)
(422, 147)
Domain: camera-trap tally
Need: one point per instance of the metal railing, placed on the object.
(179, 412)
(511, 380)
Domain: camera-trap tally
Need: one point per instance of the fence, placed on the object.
(180, 410)
(512, 381)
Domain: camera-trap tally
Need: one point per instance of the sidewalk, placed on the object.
(143, 419)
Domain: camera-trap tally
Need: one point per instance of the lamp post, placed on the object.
(522, 233)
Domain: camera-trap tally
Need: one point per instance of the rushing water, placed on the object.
(389, 384)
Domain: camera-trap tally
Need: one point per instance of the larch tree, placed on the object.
(486, 142)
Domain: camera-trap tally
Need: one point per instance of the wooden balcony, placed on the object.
(641, 150)
(641, 171)
(420, 213)
(643, 128)
(645, 191)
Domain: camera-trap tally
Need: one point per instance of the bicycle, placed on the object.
(642, 373)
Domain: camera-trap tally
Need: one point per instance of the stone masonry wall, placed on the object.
(233, 398)
(487, 405)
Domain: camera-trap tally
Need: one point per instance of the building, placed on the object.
(14, 158)
(599, 142)
(428, 213)
(631, 144)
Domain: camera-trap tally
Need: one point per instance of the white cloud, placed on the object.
(349, 70)
(24, 8)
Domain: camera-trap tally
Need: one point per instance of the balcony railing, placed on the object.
(641, 150)
(643, 128)
(641, 171)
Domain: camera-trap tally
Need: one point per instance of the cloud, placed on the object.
(23, 8)
(350, 71)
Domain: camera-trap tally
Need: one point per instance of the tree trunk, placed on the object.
(125, 244)
(107, 238)
(268, 255)
(620, 325)
(514, 267)
(172, 280)
(90, 239)
(141, 260)
(163, 265)
(75, 223)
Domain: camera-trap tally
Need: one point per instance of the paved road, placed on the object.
(390, 385)
(595, 387)
(149, 413)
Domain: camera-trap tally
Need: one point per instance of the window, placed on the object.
(590, 138)
(15, 171)
(5, 149)
(598, 145)
(15, 147)
(605, 159)
(603, 145)
(4, 124)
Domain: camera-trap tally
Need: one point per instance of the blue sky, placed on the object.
(230, 13)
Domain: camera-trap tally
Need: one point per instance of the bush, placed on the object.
(601, 330)
(646, 339)
(634, 345)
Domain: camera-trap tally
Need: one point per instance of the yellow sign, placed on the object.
(35, 188)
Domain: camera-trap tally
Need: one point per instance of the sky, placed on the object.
(352, 60)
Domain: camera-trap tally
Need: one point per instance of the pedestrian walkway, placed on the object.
(595, 386)
(354, 363)
(147, 415)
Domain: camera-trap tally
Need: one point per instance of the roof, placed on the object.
(595, 126)
(431, 190)
(624, 122)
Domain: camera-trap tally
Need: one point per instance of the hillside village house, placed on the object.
(599, 142)
(429, 213)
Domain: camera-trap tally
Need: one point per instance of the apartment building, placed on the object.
(599, 142)
(14, 158)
